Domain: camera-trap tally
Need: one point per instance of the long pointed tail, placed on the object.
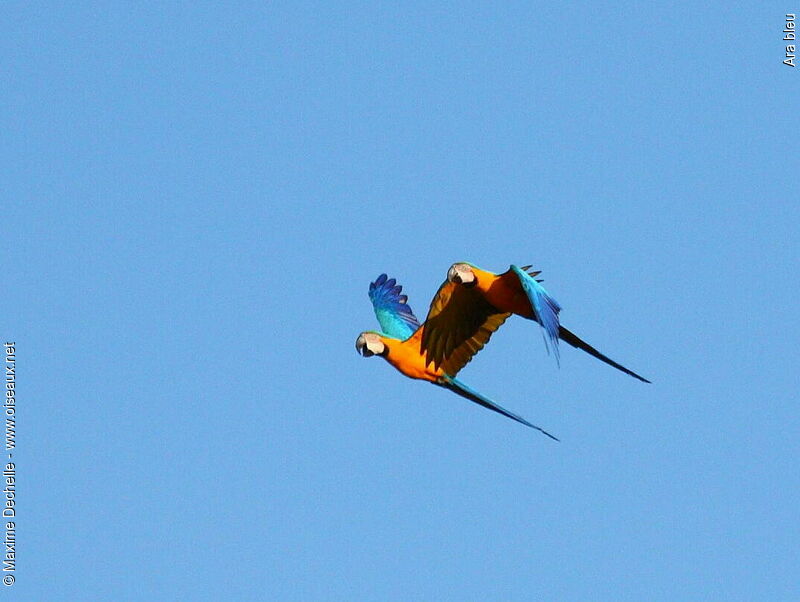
(571, 338)
(459, 388)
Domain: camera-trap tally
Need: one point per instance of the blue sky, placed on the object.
(196, 197)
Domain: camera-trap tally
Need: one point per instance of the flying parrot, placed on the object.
(399, 344)
(470, 297)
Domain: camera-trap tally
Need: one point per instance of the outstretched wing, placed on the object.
(459, 323)
(545, 308)
(391, 308)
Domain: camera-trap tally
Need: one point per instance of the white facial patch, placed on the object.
(369, 344)
(465, 272)
(374, 343)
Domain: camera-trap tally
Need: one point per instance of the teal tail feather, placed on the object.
(459, 388)
(578, 343)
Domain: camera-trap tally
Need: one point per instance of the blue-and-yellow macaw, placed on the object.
(400, 345)
(471, 296)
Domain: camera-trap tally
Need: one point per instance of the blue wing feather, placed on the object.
(391, 308)
(544, 306)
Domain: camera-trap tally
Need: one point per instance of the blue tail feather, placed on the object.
(459, 388)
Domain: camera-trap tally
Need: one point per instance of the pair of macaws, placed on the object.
(467, 309)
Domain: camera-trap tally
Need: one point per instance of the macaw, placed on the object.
(399, 344)
(471, 296)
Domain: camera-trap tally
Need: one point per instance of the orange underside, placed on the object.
(407, 358)
(505, 292)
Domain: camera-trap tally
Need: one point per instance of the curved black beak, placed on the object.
(361, 347)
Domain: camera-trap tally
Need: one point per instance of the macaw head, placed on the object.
(370, 343)
(462, 273)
